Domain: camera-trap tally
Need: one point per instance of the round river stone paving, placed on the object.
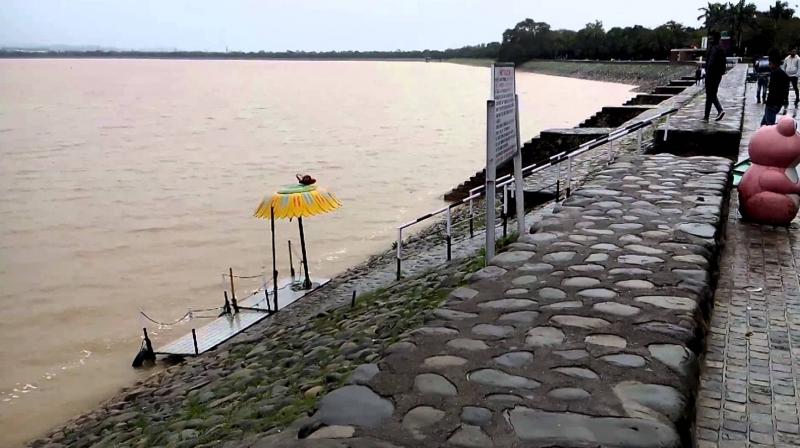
(508, 304)
(524, 280)
(470, 345)
(475, 415)
(421, 417)
(579, 282)
(514, 359)
(577, 372)
(493, 331)
(590, 323)
(635, 284)
(597, 293)
(569, 394)
(624, 360)
(544, 336)
(572, 355)
(444, 361)
(571, 304)
(431, 383)
(559, 257)
(355, 405)
(617, 309)
(606, 340)
(523, 317)
(552, 294)
(498, 378)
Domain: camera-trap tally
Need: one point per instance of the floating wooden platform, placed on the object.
(227, 326)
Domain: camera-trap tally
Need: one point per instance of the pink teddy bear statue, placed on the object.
(769, 192)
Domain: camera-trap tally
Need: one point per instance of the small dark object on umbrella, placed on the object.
(306, 179)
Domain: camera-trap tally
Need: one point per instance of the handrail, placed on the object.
(508, 179)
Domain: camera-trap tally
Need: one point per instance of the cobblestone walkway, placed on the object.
(749, 393)
(583, 334)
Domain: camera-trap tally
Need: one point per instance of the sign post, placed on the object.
(502, 144)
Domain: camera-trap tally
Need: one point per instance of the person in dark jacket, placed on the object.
(715, 68)
(778, 95)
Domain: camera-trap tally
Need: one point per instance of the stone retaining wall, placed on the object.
(586, 333)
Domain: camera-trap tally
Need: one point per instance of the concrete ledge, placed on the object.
(688, 135)
(586, 333)
(648, 98)
(615, 116)
(672, 90)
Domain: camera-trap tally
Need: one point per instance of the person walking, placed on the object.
(762, 71)
(791, 65)
(715, 68)
(778, 95)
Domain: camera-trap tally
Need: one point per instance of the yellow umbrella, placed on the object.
(295, 201)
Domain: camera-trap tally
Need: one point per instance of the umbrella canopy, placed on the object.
(297, 201)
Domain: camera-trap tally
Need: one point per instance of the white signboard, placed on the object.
(505, 123)
(502, 144)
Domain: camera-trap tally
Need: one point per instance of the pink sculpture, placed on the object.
(769, 192)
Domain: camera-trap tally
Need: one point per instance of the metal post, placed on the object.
(399, 245)
(558, 181)
(291, 261)
(274, 258)
(233, 291)
(353, 300)
(471, 216)
(666, 128)
(569, 177)
(449, 236)
(194, 338)
(519, 194)
(504, 211)
(491, 180)
(610, 151)
(639, 139)
(226, 308)
(307, 281)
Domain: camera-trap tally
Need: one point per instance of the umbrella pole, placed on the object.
(307, 281)
(274, 267)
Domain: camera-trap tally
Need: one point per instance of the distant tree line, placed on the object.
(473, 51)
(752, 32)
(536, 40)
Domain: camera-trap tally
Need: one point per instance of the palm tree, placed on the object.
(781, 10)
(742, 15)
(715, 16)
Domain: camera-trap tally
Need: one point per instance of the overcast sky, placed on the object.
(252, 25)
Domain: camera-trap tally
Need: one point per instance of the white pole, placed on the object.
(610, 151)
(519, 194)
(490, 180)
(666, 129)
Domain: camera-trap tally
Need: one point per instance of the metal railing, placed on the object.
(506, 182)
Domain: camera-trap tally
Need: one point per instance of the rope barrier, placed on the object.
(188, 316)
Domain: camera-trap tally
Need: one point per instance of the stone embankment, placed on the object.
(586, 332)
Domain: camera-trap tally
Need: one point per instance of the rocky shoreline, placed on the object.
(644, 75)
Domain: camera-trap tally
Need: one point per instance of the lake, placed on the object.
(128, 184)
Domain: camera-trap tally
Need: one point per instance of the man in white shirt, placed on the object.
(791, 65)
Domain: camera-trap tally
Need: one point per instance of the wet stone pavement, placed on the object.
(585, 333)
(749, 394)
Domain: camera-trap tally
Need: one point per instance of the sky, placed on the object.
(321, 25)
